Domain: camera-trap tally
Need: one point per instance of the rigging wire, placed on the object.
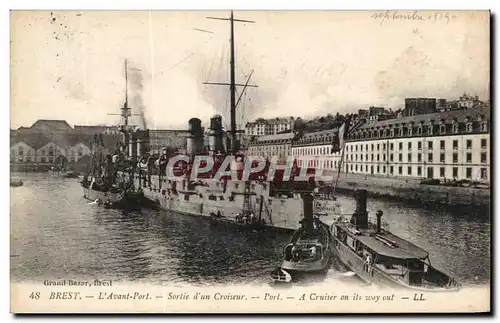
(188, 56)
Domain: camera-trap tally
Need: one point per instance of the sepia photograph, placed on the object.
(233, 161)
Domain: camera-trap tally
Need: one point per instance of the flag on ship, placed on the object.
(339, 139)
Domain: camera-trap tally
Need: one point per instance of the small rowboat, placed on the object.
(281, 276)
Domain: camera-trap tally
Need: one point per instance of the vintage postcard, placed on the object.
(250, 161)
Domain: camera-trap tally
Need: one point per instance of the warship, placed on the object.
(274, 200)
(109, 177)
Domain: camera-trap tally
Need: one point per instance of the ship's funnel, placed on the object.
(360, 216)
(379, 221)
(195, 126)
(142, 137)
(216, 134)
(307, 202)
(133, 145)
(194, 141)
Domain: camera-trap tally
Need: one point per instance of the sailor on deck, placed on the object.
(368, 262)
(312, 251)
(162, 161)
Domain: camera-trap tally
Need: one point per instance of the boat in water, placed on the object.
(309, 251)
(274, 200)
(104, 184)
(16, 183)
(378, 256)
(240, 220)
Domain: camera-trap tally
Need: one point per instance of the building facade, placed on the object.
(447, 145)
(266, 127)
(21, 152)
(279, 145)
(315, 150)
(55, 143)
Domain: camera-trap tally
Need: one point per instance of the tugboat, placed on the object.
(309, 250)
(380, 257)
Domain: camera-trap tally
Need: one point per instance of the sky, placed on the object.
(69, 65)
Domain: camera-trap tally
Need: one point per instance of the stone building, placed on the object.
(445, 145)
(315, 150)
(272, 145)
(265, 127)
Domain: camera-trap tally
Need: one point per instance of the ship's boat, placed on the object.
(309, 250)
(377, 256)
(240, 220)
(16, 183)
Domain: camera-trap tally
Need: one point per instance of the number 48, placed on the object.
(35, 295)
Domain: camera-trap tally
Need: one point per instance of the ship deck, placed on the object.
(387, 244)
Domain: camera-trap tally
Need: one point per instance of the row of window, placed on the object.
(325, 164)
(20, 152)
(420, 130)
(430, 145)
(430, 157)
(318, 151)
(430, 171)
(314, 151)
(27, 159)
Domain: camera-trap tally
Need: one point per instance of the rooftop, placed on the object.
(270, 121)
(279, 136)
(447, 116)
(57, 125)
(63, 140)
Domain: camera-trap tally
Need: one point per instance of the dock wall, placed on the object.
(410, 190)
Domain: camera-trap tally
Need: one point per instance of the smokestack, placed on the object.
(307, 201)
(379, 221)
(142, 142)
(216, 134)
(133, 145)
(194, 141)
(360, 216)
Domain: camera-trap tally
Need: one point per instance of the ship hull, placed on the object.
(373, 275)
(283, 276)
(277, 212)
(315, 267)
(283, 214)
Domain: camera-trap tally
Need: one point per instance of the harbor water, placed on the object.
(56, 233)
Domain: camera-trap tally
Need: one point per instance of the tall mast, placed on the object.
(125, 110)
(232, 85)
(232, 88)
